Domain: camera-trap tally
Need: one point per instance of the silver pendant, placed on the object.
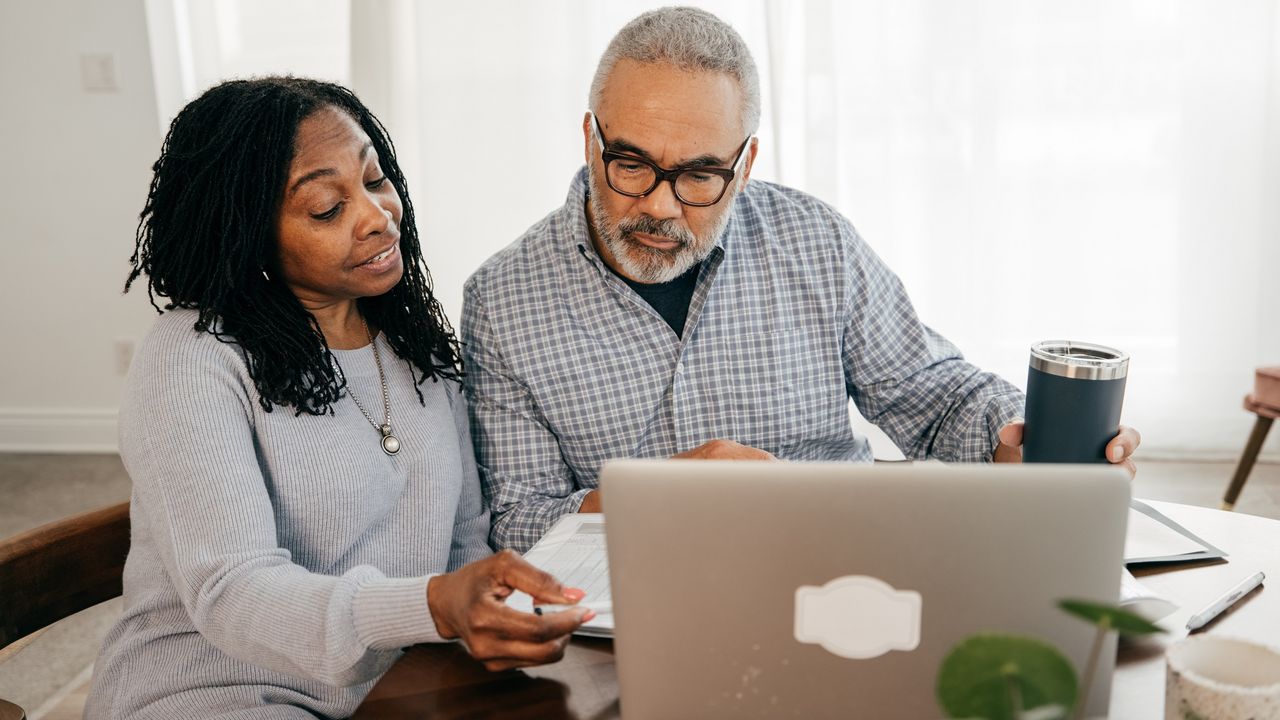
(390, 443)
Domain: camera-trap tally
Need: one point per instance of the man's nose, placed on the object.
(661, 203)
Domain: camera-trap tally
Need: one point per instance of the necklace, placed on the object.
(390, 443)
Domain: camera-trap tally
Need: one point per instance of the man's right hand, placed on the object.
(718, 449)
(721, 449)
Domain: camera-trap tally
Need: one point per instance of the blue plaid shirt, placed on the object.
(792, 315)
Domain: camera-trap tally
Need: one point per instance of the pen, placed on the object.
(1229, 598)
(549, 608)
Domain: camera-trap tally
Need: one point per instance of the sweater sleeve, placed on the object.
(471, 525)
(188, 442)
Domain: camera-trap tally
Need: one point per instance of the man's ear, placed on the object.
(586, 137)
(751, 159)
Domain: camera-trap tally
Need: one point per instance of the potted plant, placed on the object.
(1000, 676)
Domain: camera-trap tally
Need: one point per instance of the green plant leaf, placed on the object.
(977, 675)
(1109, 617)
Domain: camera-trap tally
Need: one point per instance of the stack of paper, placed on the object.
(1154, 538)
(574, 551)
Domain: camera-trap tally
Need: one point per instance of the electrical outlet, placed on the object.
(124, 355)
(98, 72)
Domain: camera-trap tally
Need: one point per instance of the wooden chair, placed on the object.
(55, 571)
(1265, 403)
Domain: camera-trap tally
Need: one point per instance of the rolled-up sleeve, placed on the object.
(909, 380)
(525, 479)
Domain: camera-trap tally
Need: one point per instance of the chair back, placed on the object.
(61, 568)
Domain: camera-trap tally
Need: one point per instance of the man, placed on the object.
(672, 308)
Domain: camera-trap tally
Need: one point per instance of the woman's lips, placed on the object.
(384, 261)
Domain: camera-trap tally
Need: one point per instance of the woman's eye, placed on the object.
(329, 214)
(377, 184)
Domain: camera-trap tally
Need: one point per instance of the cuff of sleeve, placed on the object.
(392, 613)
(1001, 412)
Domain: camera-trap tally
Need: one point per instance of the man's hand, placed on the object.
(718, 449)
(721, 449)
(470, 603)
(1119, 450)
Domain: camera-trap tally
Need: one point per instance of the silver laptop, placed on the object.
(816, 590)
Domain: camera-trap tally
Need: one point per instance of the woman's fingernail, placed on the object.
(1117, 453)
(574, 594)
(588, 615)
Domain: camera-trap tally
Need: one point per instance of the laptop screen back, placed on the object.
(835, 590)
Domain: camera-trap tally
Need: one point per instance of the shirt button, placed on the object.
(679, 368)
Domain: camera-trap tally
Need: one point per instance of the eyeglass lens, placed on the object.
(638, 178)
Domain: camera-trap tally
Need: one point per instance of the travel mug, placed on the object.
(1075, 391)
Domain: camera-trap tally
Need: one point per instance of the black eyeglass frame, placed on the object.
(661, 174)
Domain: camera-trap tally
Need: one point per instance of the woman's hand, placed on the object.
(470, 603)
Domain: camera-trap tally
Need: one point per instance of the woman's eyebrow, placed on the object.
(322, 172)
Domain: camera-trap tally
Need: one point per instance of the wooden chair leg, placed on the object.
(1250, 456)
(9, 711)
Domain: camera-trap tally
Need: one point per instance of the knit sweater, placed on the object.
(279, 562)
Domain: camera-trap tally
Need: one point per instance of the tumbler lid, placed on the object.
(1079, 360)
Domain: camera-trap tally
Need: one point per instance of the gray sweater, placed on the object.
(279, 562)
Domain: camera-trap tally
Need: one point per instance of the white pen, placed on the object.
(549, 608)
(1229, 598)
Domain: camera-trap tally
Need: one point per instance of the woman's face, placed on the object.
(339, 224)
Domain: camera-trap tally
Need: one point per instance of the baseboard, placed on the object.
(58, 430)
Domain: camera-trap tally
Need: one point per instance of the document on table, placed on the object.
(574, 551)
(1142, 600)
(1154, 538)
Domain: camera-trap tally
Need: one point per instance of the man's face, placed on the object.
(671, 118)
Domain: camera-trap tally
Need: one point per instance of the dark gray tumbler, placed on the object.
(1075, 392)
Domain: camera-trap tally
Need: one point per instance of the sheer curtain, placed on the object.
(1095, 170)
(1092, 170)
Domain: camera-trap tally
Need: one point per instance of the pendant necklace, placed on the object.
(390, 443)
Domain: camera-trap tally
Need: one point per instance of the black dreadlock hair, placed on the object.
(208, 233)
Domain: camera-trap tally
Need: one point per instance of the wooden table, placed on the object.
(442, 681)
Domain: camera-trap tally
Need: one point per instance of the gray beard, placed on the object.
(647, 264)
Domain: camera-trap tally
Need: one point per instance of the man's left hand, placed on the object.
(1119, 450)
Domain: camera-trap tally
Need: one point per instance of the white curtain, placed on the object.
(1094, 170)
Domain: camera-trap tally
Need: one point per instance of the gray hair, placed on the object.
(690, 39)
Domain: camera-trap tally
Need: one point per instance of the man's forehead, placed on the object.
(664, 109)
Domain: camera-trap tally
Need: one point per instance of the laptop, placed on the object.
(835, 590)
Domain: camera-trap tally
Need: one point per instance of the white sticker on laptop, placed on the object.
(858, 617)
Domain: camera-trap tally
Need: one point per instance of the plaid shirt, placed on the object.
(792, 315)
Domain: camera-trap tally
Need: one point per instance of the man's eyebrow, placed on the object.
(323, 172)
(707, 160)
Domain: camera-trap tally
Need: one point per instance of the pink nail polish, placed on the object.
(589, 616)
(574, 594)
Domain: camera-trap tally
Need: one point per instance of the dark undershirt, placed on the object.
(670, 299)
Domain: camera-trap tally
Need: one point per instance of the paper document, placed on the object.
(1154, 538)
(574, 551)
(1142, 601)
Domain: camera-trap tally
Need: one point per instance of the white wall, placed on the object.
(76, 170)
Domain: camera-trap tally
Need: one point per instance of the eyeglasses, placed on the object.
(636, 177)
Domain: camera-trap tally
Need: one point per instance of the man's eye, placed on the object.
(377, 184)
(629, 167)
(329, 214)
(700, 177)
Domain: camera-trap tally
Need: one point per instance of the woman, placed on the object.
(305, 503)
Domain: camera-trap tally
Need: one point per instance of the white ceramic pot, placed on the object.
(1220, 678)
